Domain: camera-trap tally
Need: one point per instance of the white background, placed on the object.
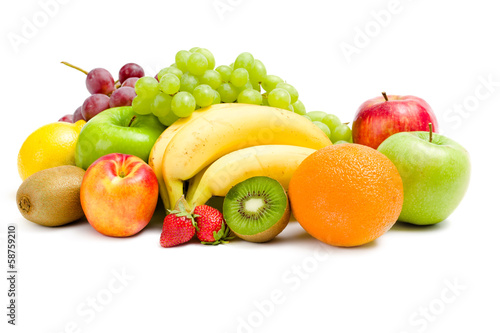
(440, 51)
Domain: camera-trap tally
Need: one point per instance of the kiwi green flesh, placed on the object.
(256, 208)
(270, 233)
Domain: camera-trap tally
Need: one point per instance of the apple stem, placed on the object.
(385, 96)
(75, 67)
(430, 132)
(131, 121)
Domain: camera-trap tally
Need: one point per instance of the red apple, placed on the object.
(380, 117)
(119, 194)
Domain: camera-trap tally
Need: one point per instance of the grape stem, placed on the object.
(385, 96)
(430, 132)
(131, 121)
(75, 67)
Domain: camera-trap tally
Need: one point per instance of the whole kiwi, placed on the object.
(51, 197)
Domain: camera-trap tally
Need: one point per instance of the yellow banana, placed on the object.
(218, 132)
(276, 161)
(156, 154)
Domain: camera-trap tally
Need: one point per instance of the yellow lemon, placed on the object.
(49, 146)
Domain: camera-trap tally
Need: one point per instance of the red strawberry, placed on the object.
(178, 227)
(211, 227)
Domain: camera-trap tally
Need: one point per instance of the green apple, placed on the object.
(435, 172)
(117, 130)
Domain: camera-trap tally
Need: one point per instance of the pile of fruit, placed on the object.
(195, 132)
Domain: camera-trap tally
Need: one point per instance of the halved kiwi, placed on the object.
(257, 209)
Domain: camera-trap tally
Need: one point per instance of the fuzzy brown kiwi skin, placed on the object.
(51, 197)
(269, 234)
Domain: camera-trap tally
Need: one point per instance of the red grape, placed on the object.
(122, 97)
(130, 70)
(130, 82)
(93, 105)
(77, 115)
(67, 118)
(100, 81)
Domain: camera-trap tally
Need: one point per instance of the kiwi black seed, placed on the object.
(51, 197)
(257, 209)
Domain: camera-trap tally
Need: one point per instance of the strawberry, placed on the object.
(211, 227)
(178, 227)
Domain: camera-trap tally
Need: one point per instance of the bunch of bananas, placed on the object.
(221, 145)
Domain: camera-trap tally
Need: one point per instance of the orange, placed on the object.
(346, 194)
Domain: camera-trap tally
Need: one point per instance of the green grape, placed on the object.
(341, 132)
(208, 55)
(169, 70)
(231, 65)
(258, 71)
(332, 121)
(225, 72)
(250, 96)
(162, 105)
(316, 115)
(307, 117)
(216, 98)
(212, 78)
(340, 142)
(176, 71)
(194, 49)
(168, 119)
(322, 127)
(173, 65)
(299, 108)
(204, 95)
(265, 100)
(294, 94)
(255, 86)
(183, 104)
(147, 87)
(197, 64)
(228, 92)
(247, 85)
(239, 77)
(244, 60)
(189, 82)
(290, 107)
(270, 81)
(162, 72)
(142, 105)
(170, 84)
(279, 98)
(181, 59)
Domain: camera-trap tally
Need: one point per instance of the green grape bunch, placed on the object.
(193, 82)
